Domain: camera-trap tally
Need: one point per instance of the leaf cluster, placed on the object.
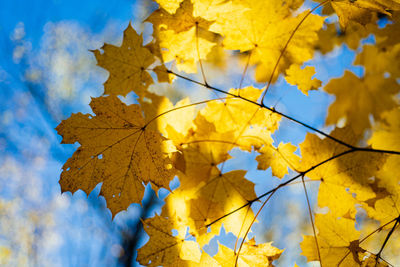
(126, 147)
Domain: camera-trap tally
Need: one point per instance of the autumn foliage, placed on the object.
(356, 165)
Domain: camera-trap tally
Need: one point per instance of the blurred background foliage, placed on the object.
(47, 72)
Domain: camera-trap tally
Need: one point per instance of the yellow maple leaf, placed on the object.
(386, 209)
(164, 113)
(235, 114)
(116, 149)
(386, 135)
(330, 194)
(250, 255)
(164, 248)
(182, 36)
(350, 171)
(338, 242)
(361, 10)
(279, 159)
(357, 98)
(264, 29)
(177, 209)
(127, 65)
(349, 11)
(330, 36)
(302, 78)
(259, 255)
(226, 257)
(389, 35)
(255, 137)
(221, 194)
(211, 10)
(169, 5)
(205, 261)
(163, 75)
(202, 150)
(379, 61)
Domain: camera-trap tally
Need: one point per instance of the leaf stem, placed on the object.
(198, 53)
(311, 220)
(181, 107)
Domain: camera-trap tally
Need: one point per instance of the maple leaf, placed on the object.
(250, 255)
(117, 150)
(279, 159)
(352, 37)
(361, 10)
(338, 242)
(127, 65)
(182, 37)
(357, 98)
(202, 150)
(385, 209)
(302, 78)
(350, 11)
(388, 36)
(221, 194)
(386, 135)
(330, 194)
(378, 60)
(205, 261)
(169, 5)
(264, 29)
(161, 108)
(236, 114)
(250, 125)
(177, 209)
(164, 248)
(343, 175)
